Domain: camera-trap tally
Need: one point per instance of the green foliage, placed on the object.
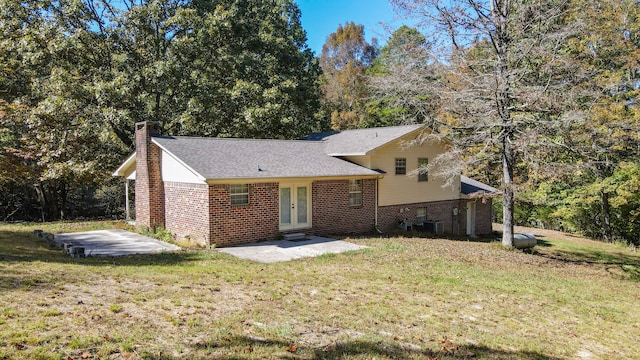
(345, 58)
(581, 209)
(54, 137)
(387, 106)
(159, 233)
(564, 155)
(77, 75)
(575, 205)
(401, 47)
(600, 147)
(239, 68)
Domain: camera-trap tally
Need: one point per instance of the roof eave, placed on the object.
(420, 128)
(124, 169)
(275, 178)
(481, 195)
(347, 154)
(197, 174)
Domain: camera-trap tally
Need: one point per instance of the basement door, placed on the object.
(295, 201)
(471, 218)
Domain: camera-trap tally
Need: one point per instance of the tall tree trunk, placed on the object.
(63, 199)
(42, 199)
(606, 217)
(500, 40)
(507, 192)
(157, 113)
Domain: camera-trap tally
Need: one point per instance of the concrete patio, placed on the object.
(114, 243)
(286, 250)
(122, 242)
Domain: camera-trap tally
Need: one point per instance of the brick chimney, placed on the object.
(149, 186)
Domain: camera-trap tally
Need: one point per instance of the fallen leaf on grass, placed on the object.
(448, 346)
(293, 348)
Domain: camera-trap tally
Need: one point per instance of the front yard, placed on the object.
(403, 298)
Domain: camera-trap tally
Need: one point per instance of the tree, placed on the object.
(602, 144)
(401, 51)
(225, 68)
(403, 42)
(496, 68)
(344, 61)
(53, 135)
(263, 81)
(77, 75)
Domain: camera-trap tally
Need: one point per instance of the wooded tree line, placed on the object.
(77, 75)
(540, 97)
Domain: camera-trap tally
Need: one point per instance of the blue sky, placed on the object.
(322, 17)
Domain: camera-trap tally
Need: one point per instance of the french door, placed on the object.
(295, 201)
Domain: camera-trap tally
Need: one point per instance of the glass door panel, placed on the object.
(285, 206)
(302, 207)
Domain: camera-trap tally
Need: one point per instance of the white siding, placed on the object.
(174, 171)
(360, 160)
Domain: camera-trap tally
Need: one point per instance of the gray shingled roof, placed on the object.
(226, 158)
(360, 141)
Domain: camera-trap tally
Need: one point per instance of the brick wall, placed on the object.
(483, 216)
(149, 200)
(332, 213)
(187, 211)
(461, 219)
(389, 216)
(239, 224)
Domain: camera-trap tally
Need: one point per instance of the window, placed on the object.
(239, 194)
(355, 192)
(422, 171)
(421, 215)
(401, 166)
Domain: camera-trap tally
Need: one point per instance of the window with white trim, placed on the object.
(422, 171)
(239, 194)
(355, 192)
(401, 166)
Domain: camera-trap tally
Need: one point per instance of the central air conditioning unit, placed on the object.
(433, 226)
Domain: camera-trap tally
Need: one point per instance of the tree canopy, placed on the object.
(77, 75)
(495, 68)
(345, 58)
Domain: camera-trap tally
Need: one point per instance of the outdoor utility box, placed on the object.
(433, 226)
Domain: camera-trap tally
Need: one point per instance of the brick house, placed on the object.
(227, 191)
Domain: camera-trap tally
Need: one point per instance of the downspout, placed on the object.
(376, 204)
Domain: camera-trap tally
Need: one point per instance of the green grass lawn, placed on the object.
(402, 298)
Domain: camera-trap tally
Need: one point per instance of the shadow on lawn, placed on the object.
(627, 264)
(342, 349)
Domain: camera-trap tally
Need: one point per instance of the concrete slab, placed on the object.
(114, 243)
(285, 250)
